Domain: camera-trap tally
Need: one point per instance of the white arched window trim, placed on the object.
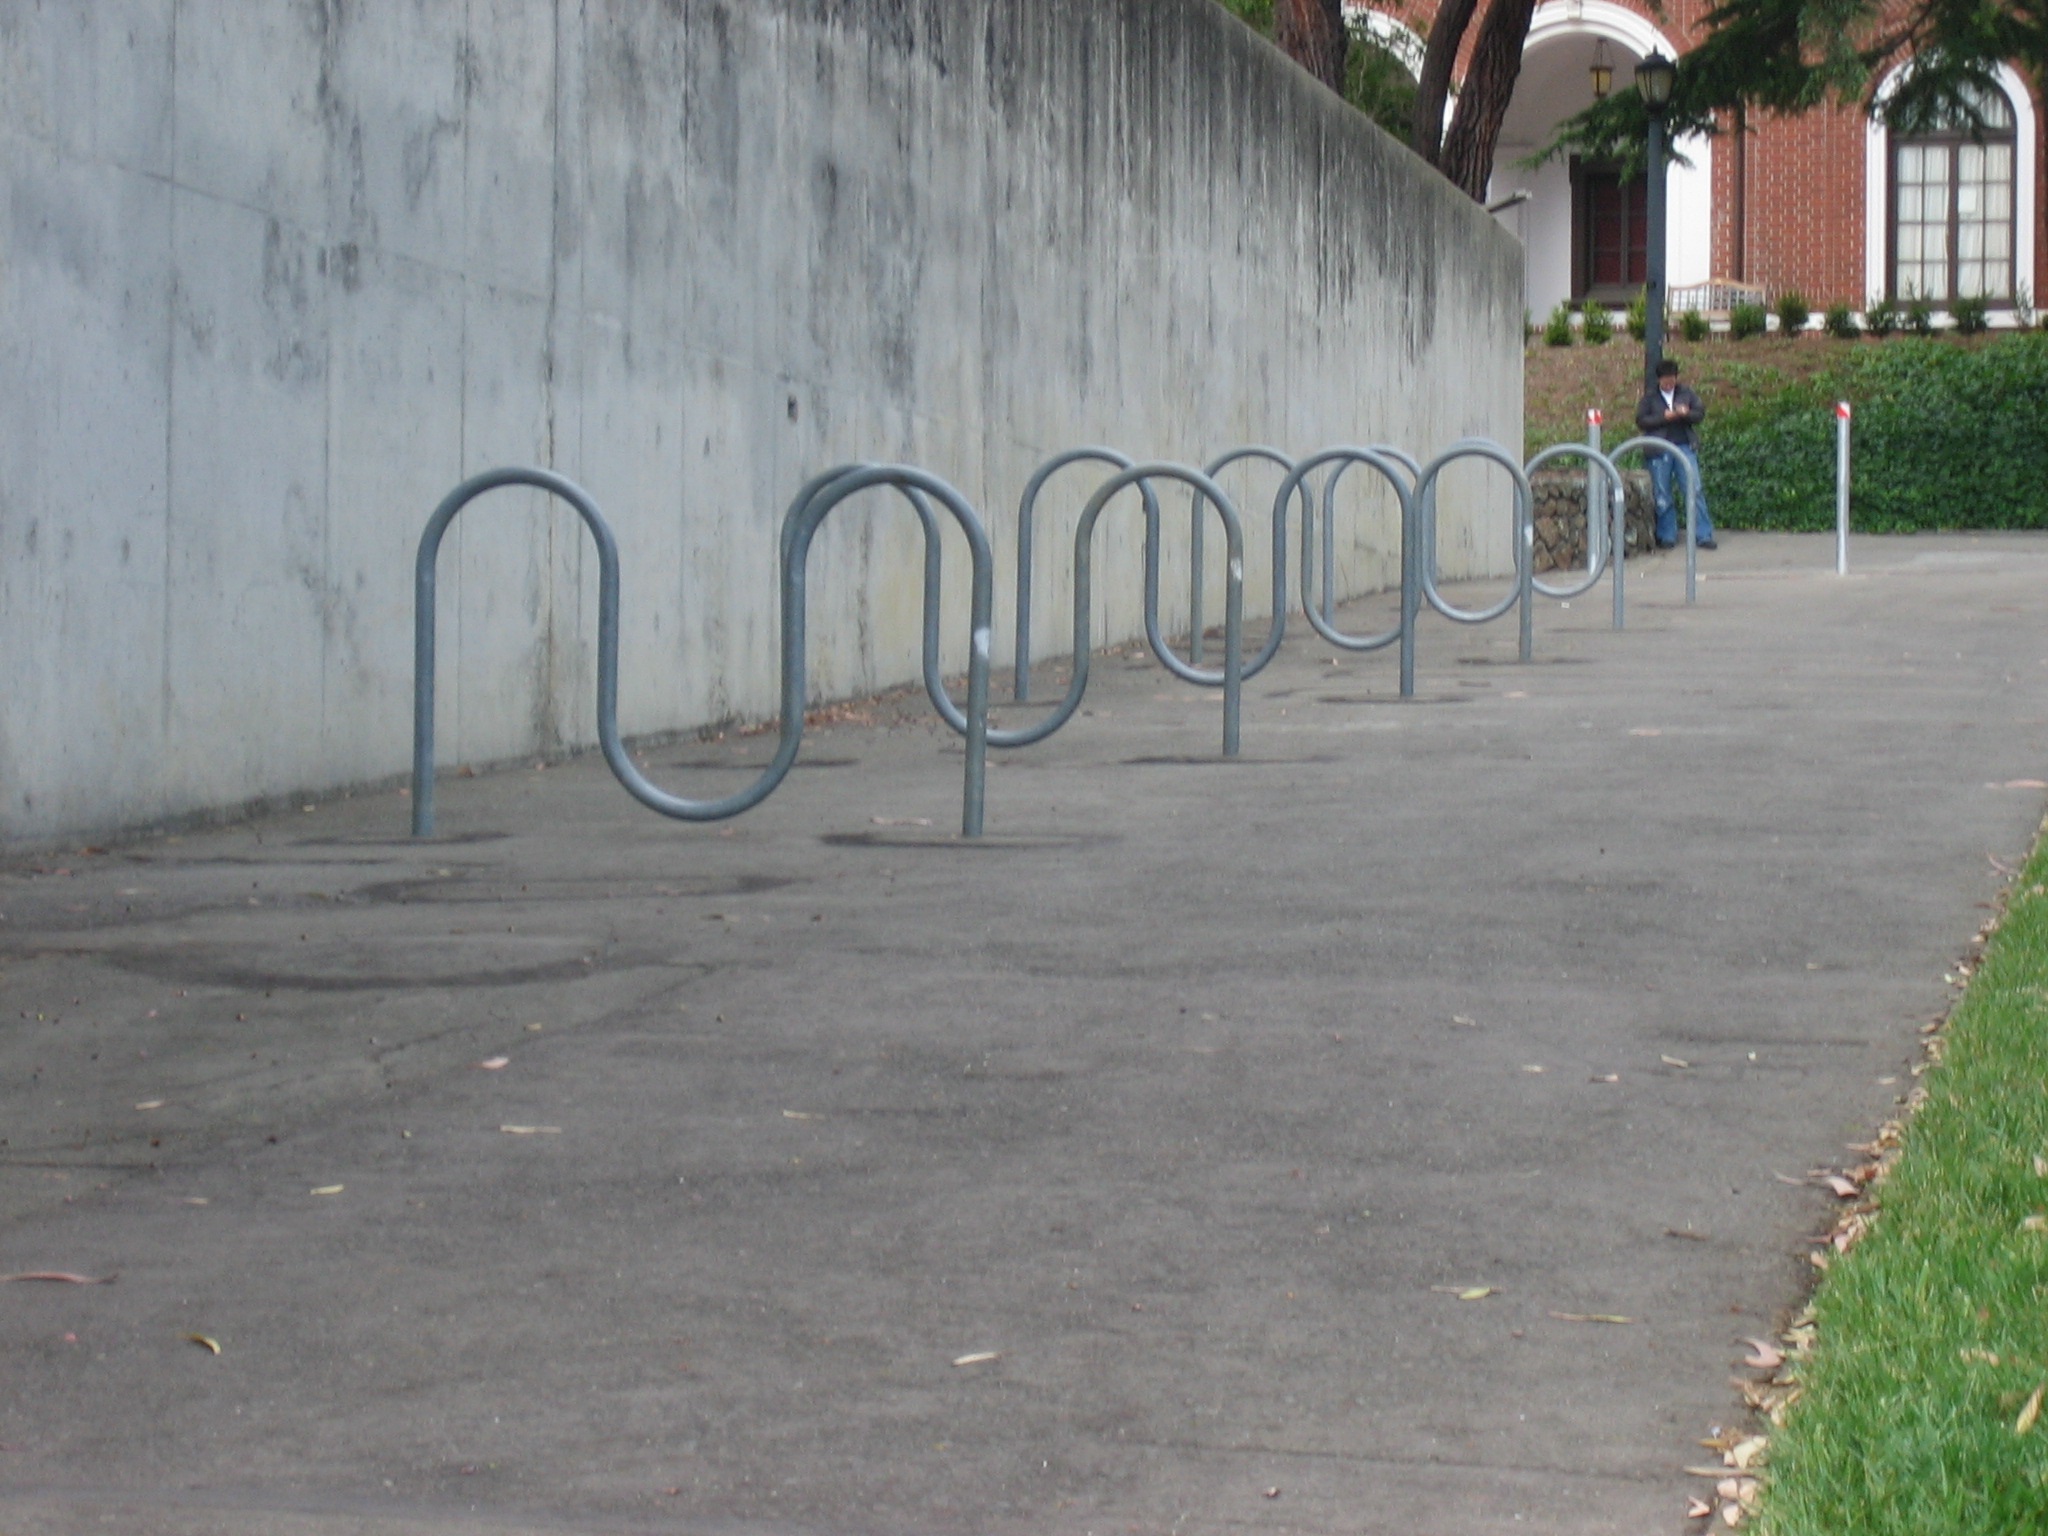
(1689, 232)
(1877, 170)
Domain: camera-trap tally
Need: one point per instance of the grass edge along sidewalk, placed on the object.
(1910, 1397)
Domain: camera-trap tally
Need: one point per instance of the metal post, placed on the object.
(1593, 478)
(1841, 487)
(1653, 285)
(1411, 587)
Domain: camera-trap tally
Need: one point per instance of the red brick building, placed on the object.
(1826, 204)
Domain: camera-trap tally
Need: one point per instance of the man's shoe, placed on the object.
(1708, 544)
(1667, 543)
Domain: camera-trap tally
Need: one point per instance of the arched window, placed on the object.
(1952, 202)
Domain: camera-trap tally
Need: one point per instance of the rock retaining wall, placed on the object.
(1561, 516)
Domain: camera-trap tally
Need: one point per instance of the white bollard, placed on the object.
(1841, 487)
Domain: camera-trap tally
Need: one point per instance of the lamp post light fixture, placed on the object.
(1654, 78)
(1603, 71)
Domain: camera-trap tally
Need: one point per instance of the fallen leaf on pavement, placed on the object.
(1697, 1509)
(1763, 1356)
(2025, 784)
(1745, 1455)
(1691, 1237)
(330, 1189)
(1717, 1473)
(209, 1345)
(1846, 1188)
(151, 1104)
(2028, 1414)
(980, 1358)
(1607, 1077)
(62, 1277)
(1674, 1061)
(1459, 1018)
(1591, 1317)
(1731, 1515)
(797, 1114)
(531, 1130)
(496, 1063)
(1532, 1069)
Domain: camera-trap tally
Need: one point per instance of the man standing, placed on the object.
(1673, 412)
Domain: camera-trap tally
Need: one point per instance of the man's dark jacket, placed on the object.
(1650, 416)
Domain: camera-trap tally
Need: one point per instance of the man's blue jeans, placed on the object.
(1663, 471)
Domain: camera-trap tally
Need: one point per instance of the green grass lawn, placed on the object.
(1919, 1409)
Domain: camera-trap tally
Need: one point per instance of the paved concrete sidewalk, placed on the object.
(818, 1173)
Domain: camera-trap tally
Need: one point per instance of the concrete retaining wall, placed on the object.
(275, 274)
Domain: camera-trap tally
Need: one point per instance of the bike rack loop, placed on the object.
(1428, 521)
(1692, 504)
(1524, 535)
(1232, 674)
(1027, 510)
(1196, 527)
(809, 509)
(1388, 463)
(1599, 551)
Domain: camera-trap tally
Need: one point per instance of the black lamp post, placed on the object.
(1653, 81)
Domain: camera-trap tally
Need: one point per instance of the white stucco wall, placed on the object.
(275, 275)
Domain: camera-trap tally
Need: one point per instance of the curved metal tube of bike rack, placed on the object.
(1232, 674)
(1027, 513)
(1523, 591)
(800, 525)
(1692, 504)
(1387, 462)
(1196, 525)
(1606, 538)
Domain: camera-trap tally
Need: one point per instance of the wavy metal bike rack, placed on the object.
(1389, 463)
(800, 526)
(1230, 678)
(1197, 523)
(1692, 502)
(1524, 537)
(1606, 538)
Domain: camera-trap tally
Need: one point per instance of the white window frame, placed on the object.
(1877, 172)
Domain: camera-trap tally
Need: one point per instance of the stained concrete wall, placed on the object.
(275, 274)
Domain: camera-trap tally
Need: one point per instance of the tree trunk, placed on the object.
(1439, 58)
(1313, 34)
(1483, 104)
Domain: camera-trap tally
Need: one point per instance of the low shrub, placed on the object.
(1557, 330)
(1972, 316)
(1840, 322)
(1881, 317)
(1638, 316)
(1747, 320)
(1598, 326)
(2023, 307)
(1693, 325)
(1919, 316)
(1792, 312)
(1946, 437)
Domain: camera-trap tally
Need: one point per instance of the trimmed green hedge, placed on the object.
(1944, 437)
